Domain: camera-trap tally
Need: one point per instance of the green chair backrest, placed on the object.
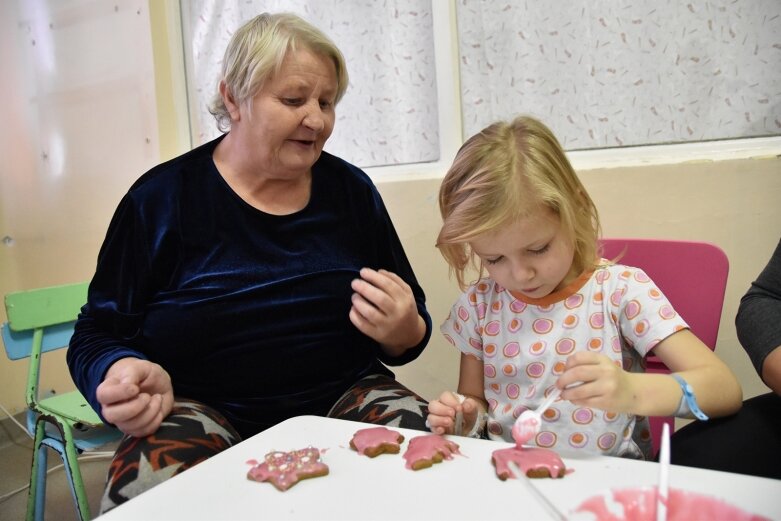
(42, 307)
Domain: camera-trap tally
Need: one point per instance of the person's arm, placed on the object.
(389, 305)
(608, 387)
(758, 322)
(103, 339)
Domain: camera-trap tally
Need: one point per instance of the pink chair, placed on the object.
(692, 275)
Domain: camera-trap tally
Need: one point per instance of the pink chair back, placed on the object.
(693, 277)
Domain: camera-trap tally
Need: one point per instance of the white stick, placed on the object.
(664, 470)
(541, 498)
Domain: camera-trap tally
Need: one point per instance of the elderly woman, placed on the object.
(252, 279)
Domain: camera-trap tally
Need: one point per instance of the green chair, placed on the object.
(42, 320)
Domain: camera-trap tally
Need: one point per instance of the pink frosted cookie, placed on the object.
(424, 451)
(534, 461)
(375, 441)
(285, 469)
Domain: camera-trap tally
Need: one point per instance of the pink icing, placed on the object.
(427, 446)
(525, 428)
(639, 504)
(285, 469)
(366, 438)
(529, 458)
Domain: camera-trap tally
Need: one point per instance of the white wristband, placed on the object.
(479, 420)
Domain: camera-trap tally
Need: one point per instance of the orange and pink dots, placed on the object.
(551, 414)
(578, 440)
(537, 348)
(667, 312)
(570, 322)
(597, 320)
(517, 306)
(583, 416)
(489, 371)
(493, 328)
(515, 325)
(511, 349)
(607, 441)
(535, 369)
(565, 346)
(542, 326)
(632, 309)
(573, 302)
(641, 328)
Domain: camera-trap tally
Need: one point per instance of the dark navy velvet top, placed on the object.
(247, 311)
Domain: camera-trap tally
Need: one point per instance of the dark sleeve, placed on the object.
(758, 321)
(110, 321)
(394, 259)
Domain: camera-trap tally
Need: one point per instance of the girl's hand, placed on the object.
(442, 413)
(384, 308)
(605, 384)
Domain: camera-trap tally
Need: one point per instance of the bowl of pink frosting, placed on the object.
(639, 504)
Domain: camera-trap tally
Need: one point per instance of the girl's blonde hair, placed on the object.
(256, 52)
(502, 174)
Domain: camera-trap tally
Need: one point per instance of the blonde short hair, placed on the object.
(256, 52)
(502, 174)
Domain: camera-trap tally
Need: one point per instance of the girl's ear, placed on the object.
(229, 101)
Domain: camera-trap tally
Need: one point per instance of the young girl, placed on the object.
(552, 314)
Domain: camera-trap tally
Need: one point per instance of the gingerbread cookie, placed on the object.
(285, 469)
(424, 451)
(375, 441)
(534, 461)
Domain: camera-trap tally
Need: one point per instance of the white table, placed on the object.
(363, 488)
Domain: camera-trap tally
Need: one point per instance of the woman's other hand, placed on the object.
(384, 309)
(136, 395)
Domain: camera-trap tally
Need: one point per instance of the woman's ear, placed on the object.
(229, 101)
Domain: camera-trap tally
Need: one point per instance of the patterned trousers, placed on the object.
(194, 432)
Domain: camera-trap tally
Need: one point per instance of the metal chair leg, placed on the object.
(36, 496)
(75, 480)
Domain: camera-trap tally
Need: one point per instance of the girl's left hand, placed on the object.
(384, 308)
(605, 385)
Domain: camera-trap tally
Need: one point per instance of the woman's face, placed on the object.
(531, 256)
(291, 117)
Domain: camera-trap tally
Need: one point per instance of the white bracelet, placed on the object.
(479, 420)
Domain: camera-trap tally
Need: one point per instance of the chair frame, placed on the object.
(704, 319)
(42, 320)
